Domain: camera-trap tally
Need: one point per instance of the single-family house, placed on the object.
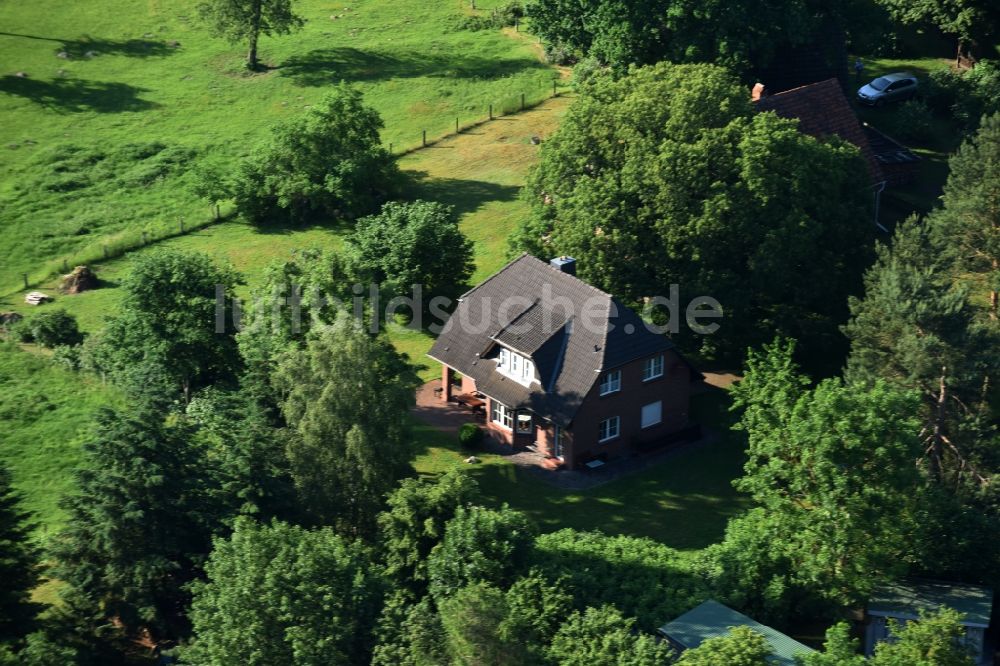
(712, 619)
(563, 366)
(904, 601)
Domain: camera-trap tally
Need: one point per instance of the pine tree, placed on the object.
(18, 563)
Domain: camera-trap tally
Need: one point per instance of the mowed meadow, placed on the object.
(110, 108)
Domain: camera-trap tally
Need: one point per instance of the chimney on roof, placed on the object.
(564, 264)
(757, 92)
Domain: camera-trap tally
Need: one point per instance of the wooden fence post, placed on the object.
(143, 237)
(555, 93)
(491, 112)
(425, 137)
(65, 266)
(182, 225)
(25, 275)
(390, 148)
(456, 125)
(105, 251)
(522, 101)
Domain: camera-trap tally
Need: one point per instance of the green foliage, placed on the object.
(536, 608)
(831, 472)
(281, 594)
(645, 579)
(604, 637)
(971, 21)
(737, 36)
(913, 121)
(139, 521)
(410, 635)
(327, 164)
(19, 563)
(168, 322)
(470, 435)
(346, 398)
(414, 523)
(503, 16)
(409, 244)
(936, 640)
(471, 619)
(246, 20)
(667, 176)
(479, 546)
(742, 646)
(839, 649)
(966, 95)
(51, 328)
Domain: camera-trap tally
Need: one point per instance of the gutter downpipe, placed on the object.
(878, 201)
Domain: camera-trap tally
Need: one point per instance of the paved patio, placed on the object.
(449, 417)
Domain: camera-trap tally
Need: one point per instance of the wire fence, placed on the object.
(117, 245)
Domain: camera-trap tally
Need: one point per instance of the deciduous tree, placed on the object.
(282, 594)
(246, 20)
(742, 646)
(935, 640)
(604, 637)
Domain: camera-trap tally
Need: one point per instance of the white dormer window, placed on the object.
(515, 366)
(611, 382)
(653, 368)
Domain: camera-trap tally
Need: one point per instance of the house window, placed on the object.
(652, 414)
(515, 366)
(612, 382)
(608, 429)
(524, 423)
(653, 368)
(502, 415)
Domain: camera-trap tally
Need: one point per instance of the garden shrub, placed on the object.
(965, 96)
(504, 16)
(470, 435)
(913, 121)
(50, 329)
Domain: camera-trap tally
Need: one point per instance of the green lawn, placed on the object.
(103, 143)
(684, 502)
(45, 411)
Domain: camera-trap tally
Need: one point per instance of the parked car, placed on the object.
(889, 88)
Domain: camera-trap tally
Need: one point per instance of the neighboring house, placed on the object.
(711, 619)
(823, 111)
(904, 601)
(563, 366)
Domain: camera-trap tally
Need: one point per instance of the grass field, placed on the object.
(120, 101)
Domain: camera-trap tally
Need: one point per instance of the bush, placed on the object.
(965, 96)
(560, 54)
(470, 435)
(501, 17)
(913, 120)
(67, 356)
(586, 70)
(50, 329)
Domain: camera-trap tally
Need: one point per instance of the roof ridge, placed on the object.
(495, 273)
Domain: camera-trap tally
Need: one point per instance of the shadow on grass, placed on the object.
(78, 95)
(466, 196)
(325, 66)
(81, 47)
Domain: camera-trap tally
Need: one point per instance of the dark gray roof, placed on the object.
(907, 598)
(571, 330)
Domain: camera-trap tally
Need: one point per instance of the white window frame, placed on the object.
(518, 421)
(614, 428)
(611, 382)
(653, 368)
(516, 366)
(659, 419)
(502, 415)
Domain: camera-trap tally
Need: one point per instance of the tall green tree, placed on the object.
(969, 219)
(282, 594)
(246, 20)
(19, 563)
(328, 164)
(667, 176)
(742, 646)
(138, 524)
(471, 619)
(416, 243)
(414, 521)
(480, 545)
(831, 471)
(346, 398)
(175, 319)
(604, 637)
(839, 649)
(973, 23)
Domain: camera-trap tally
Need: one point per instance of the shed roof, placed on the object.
(822, 110)
(712, 619)
(906, 599)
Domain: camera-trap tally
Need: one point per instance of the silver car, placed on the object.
(889, 88)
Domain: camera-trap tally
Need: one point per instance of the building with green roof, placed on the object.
(904, 601)
(712, 619)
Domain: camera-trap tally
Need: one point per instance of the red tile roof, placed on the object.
(822, 110)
